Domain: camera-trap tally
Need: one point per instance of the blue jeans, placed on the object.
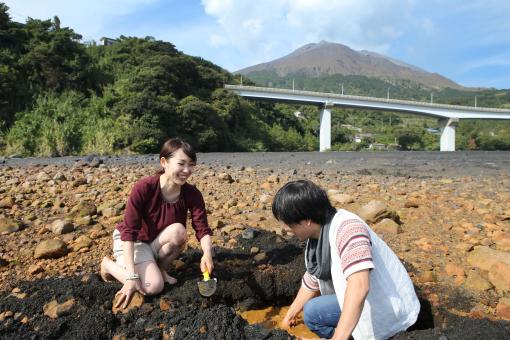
(321, 315)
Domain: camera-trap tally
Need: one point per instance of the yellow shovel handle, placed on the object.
(206, 276)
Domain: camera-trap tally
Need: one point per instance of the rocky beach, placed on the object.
(446, 215)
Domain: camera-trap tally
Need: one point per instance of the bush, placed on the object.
(51, 128)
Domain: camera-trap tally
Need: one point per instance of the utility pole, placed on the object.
(431, 98)
(388, 94)
(241, 80)
(292, 84)
(342, 88)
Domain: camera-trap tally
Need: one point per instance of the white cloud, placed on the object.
(495, 60)
(217, 40)
(269, 28)
(85, 17)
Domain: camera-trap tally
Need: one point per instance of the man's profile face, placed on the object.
(301, 230)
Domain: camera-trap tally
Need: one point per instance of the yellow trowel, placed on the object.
(207, 286)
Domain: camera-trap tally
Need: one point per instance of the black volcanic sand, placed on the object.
(242, 284)
(425, 164)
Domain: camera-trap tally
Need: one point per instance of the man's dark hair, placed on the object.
(302, 200)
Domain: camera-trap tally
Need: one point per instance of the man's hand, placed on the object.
(287, 323)
(127, 291)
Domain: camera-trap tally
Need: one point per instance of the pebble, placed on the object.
(54, 310)
(137, 301)
(50, 249)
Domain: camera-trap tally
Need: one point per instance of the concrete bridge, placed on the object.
(448, 115)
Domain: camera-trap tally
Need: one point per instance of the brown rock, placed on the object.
(476, 282)
(427, 276)
(85, 220)
(225, 177)
(374, 211)
(388, 226)
(179, 265)
(79, 181)
(412, 203)
(454, 270)
(479, 311)
(217, 224)
(60, 227)
(336, 196)
(8, 226)
(54, 310)
(260, 257)
(503, 244)
(503, 308)
(137, 300)
(485, 257)
(265, 198)
(499, 276)
(273, 179)
(50, 249)
(82, 242)
(266, 186)
(35, 269)
(111, 212)
(42, 177)
(465, 247)
(83, 208)
(7, 202)
(165, 303)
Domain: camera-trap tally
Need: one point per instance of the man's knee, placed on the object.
(310, 314)
(307, 313)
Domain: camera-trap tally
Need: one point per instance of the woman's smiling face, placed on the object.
(178, 168)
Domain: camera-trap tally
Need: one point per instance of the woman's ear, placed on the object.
(163, 161)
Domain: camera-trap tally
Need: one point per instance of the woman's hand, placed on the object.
(206, 263)
(127, 291)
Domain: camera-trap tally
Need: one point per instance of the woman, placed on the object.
(153, 232)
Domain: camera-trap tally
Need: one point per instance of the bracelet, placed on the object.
(133, 276)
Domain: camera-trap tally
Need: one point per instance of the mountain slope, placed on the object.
(325, 58)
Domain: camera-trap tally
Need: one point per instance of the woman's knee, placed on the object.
(154, 286)
(175, 233)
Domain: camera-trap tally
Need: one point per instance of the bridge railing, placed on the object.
(377, 99)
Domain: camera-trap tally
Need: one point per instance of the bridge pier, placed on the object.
(447, 127)
(325, 128)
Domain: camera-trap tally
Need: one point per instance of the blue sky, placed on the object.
(467, 41)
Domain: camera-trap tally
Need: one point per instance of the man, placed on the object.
(354, 284)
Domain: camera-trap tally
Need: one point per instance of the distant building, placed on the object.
(107, 41)
(377, 146)
(358, 138)
(350, 127)
(433, 130)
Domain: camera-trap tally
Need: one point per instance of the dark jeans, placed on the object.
(321, 315)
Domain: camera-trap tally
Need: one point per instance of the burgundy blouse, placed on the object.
(147, 213)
